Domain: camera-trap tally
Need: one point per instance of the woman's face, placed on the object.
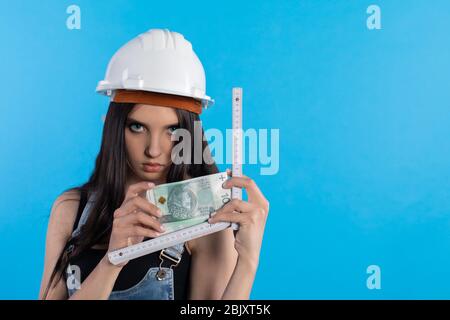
(148, 141)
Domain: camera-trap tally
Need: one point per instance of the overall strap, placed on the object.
(83, 201)
(173, 255)
(81, 205)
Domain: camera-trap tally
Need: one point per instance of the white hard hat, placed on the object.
(159, 61)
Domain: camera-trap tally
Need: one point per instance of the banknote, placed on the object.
(189, 202)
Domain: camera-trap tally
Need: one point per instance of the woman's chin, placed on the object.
(155, 177)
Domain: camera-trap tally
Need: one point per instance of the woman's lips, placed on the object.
(152, 167)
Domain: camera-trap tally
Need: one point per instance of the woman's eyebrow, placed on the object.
(134, 120)
(175, 124)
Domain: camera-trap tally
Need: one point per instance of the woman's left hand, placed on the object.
(251, 216)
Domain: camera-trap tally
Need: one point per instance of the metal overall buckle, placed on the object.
(161, 274)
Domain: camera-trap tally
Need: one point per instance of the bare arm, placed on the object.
(62, 218)
(240, 285)
(99, 284)
(213, 261)
(251, 216)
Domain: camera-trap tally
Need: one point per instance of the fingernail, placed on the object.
(159, 212)
(209, 220)
(162, 228)
(151, 184)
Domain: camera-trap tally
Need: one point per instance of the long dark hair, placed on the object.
(108, 180)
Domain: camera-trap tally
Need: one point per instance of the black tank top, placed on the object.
(135, 269)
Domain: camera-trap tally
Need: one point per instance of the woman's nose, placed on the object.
(153, 149)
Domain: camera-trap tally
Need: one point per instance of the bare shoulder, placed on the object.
(67, 198)
(63, 213)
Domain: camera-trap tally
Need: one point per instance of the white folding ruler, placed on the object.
(167, 240)
(164, 241)
(236, 193)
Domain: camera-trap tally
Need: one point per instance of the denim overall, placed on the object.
(157, 284)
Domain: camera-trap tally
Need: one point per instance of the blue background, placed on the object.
(363, 117)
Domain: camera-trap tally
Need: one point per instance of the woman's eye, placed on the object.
(173, 128)
(135, 127)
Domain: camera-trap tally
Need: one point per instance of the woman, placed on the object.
(108, 212)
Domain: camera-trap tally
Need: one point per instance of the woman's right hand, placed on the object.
(135, 219)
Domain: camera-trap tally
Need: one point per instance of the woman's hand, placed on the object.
(250, 215)
(135, 219)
